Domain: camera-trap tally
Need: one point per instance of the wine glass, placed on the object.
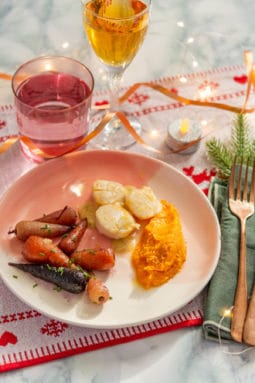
(115, 30)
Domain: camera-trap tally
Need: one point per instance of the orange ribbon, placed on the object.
(5, 76)
(248, 59)
(7, 144)
(84, 141)
(184, 100)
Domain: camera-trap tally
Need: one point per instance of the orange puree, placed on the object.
(161, 250)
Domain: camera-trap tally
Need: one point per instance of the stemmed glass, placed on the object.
(115, 30)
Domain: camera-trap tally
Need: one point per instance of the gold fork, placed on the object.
(241, 204)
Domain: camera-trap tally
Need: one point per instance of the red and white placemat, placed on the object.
(28, 337)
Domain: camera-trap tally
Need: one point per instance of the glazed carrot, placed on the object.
(42, 250)
(94, 259)
(65, 216)
(73, 281)
(71, 240)
(97, 291)
(25, 229)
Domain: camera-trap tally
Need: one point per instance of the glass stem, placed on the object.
(114, 81)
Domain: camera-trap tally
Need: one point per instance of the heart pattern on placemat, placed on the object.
(240, 79)
(8, 338)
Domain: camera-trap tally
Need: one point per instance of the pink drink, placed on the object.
(51, 111)
(52, 98)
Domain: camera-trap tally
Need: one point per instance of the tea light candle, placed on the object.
(183, 136)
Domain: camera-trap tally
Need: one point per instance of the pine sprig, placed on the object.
(240, 146)
(220, 157)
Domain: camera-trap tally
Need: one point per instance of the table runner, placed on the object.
(28, 337)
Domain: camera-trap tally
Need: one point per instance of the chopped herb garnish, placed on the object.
(91, 251)
(70, 262)
(53, 251)
(15, 276)
(48, 266)
(65, 235)
(35, 285)
(85, 272)
(42, 254)
(46, 227)
(60, 270)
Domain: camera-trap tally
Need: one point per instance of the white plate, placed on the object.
(68, 180)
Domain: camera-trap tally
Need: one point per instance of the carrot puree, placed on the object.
(161, 251)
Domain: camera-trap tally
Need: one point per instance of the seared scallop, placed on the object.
(114, 221)
(142, 203)
(105, 192)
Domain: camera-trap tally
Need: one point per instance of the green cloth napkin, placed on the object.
(221, 290)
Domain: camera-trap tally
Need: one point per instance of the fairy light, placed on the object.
(227, 313)
(190, 40)
(180, 24)
(154, 133)
(103, 75)
(65, 45)
(205, 92)
(183, 80)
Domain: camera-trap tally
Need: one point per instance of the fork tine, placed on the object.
(252, 184)
(231, 185)
(245, 187)
(238, 193)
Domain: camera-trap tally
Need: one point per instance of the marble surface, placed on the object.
(184, 36)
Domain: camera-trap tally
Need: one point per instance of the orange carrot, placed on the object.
(42, 250)
(94, 259)
(97, 291)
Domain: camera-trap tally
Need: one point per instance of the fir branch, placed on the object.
(220, 157)
(240, 146)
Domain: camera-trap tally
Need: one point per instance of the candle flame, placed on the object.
(184, 128)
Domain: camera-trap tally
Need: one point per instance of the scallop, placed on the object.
(108, 192)
(114, 221)
(142, 203)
